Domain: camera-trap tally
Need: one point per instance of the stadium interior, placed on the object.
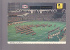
(36, 25)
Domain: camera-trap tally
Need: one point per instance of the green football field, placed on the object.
(41, 32)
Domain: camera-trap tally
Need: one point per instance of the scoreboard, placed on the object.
(40, 7)
(43, 6)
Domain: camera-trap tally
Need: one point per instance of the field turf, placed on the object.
(41, 32)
